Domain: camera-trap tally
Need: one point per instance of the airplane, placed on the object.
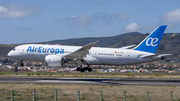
(58, 55)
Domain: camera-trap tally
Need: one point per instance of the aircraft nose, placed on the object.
(10, 54)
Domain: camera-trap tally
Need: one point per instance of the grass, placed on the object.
(157, 74)
(130, 74)
(83, 96)
(68, 92)
(91, 75)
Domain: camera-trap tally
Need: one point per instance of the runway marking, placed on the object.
(57, 81)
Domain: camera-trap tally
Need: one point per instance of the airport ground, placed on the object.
(90, 75)
(88, 92)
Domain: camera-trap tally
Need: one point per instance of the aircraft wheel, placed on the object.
(86, 68)
(89, 69)
(82, 70)
(78, 69)
(21, 64)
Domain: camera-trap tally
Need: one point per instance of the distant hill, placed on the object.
(103, 41)
(5, 48)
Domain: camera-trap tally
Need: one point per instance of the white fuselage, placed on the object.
(96, 55)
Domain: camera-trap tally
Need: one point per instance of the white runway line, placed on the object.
(57, 81)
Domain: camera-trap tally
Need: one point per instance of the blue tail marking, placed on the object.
(151, 42)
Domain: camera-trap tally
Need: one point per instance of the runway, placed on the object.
(116, 81)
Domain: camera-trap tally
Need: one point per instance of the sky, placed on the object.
(29, 21)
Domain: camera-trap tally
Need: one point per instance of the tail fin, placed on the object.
(151, 42)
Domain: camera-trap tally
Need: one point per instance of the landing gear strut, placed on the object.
(21, 63)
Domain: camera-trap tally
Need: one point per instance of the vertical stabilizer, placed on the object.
(151, 42)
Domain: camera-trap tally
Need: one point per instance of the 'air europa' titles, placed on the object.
(45, 50)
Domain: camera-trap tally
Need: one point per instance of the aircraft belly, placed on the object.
(35, 57)
(111, 60)
(93, 60)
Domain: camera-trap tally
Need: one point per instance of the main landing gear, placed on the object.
(21, 63)
(83, 69)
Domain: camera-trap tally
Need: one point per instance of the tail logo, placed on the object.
(151, 42)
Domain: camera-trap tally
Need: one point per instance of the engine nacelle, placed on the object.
(54, 60)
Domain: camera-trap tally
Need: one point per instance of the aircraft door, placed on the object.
(95, 53)
(127, 56)
(22, 50)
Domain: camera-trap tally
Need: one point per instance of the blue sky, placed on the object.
(24, 21)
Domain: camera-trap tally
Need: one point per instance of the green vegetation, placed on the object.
(52, 96)
(83, 97)
(38, 73)
(157, 74)
(28, 74)
(4, 73)
(64, 94)
(130, 74)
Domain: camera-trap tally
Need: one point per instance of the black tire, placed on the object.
(90, 69)
(21, 64)
(86, 68)
(78, 69)
(82, 70)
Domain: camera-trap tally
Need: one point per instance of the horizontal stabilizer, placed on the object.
(163, 56)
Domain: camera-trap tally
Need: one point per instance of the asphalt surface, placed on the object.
(116, 81)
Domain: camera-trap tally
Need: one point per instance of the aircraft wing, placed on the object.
(80, 53)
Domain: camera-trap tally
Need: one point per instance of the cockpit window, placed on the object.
(14, 49)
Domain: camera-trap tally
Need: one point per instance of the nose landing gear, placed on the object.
(21, 63)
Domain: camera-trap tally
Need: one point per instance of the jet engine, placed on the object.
(54, 60)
